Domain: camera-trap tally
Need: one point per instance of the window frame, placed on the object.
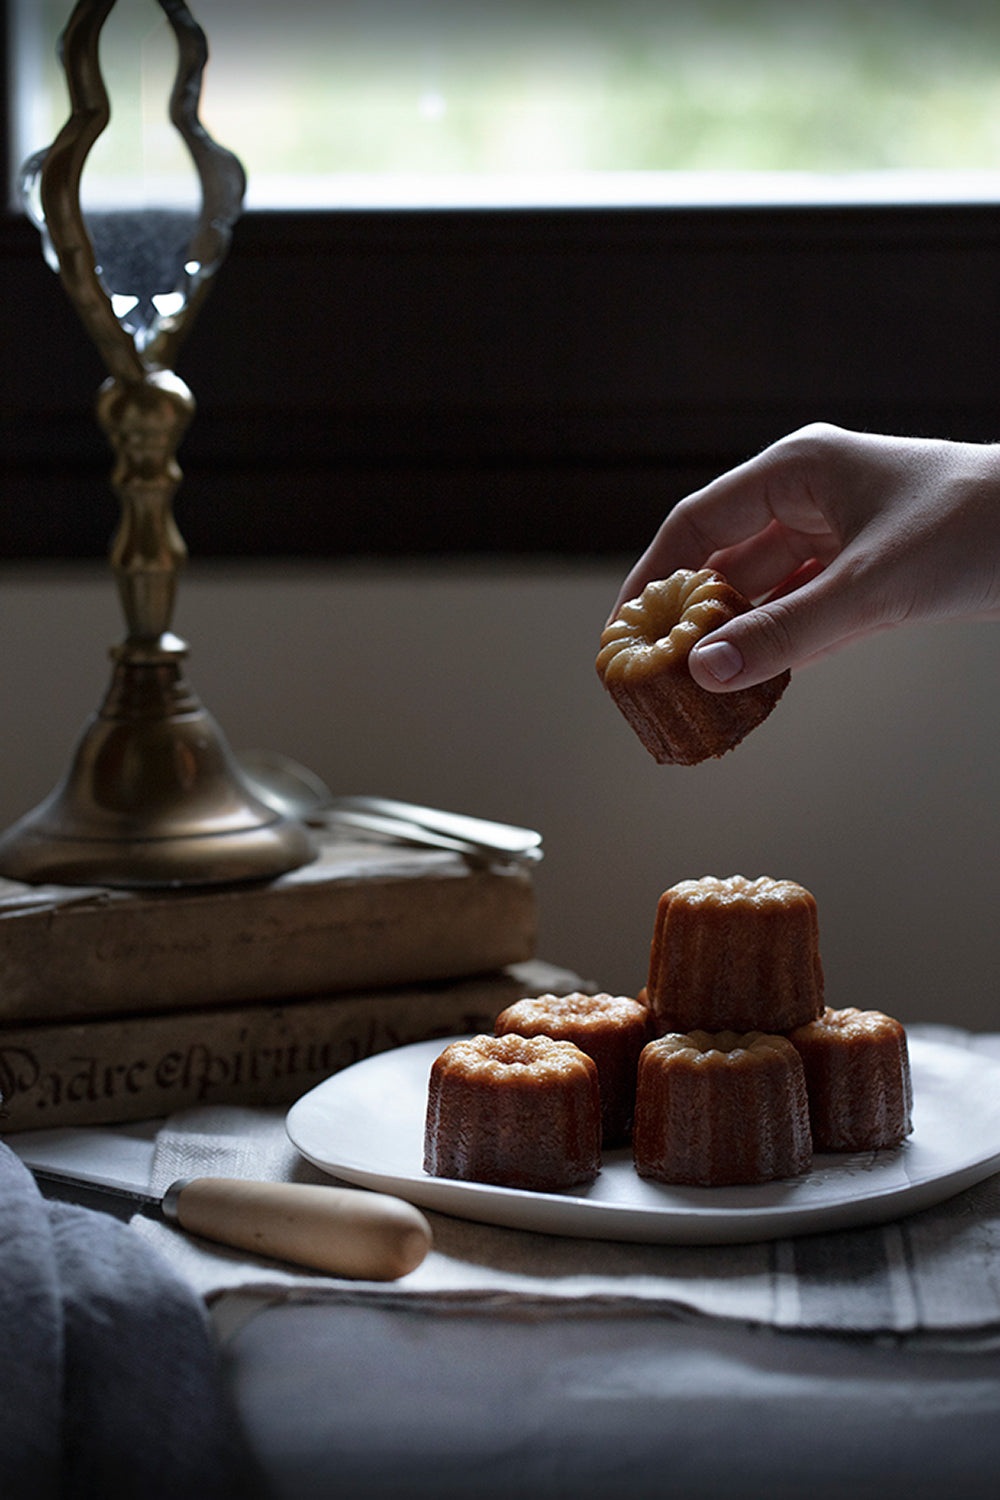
(487, 382)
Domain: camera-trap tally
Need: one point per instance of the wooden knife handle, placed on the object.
(343, 1231)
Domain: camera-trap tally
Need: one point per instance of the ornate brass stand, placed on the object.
(153, 795)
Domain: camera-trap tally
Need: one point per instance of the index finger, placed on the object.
(732, 510)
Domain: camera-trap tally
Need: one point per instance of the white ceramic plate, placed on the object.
(365, 1125)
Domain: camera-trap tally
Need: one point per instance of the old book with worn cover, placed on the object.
(363, 915)
(140, 1067)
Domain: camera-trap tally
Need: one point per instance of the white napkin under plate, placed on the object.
(934, 1274)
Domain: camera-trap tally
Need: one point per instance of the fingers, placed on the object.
(773, 563)
(724, 514)
(803, 574)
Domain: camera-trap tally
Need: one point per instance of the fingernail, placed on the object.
(721, 660)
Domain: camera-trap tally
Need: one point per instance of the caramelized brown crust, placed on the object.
(858, 1079)
(611, 1029)
(735, 955)
(721, 1110)
(517, 1111)
(643, 665)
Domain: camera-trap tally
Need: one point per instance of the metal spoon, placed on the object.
(299, 793)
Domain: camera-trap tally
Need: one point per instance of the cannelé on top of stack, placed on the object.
(735, 955)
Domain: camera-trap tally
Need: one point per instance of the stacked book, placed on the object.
(125, 1005)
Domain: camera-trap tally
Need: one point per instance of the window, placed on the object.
(416, 372)
(440, 102)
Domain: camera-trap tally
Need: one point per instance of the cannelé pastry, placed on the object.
(735, 955)
(857, 1073)
(517, 1111)
(643, 664)
(721, 1110)
(612, 1029)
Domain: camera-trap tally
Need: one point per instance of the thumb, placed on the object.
(780, 634)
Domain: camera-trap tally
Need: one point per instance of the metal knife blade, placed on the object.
(120, 1198)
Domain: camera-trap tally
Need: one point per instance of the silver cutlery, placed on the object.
(297, 792)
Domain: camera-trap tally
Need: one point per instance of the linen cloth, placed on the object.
(935, 1274)
(111, 1380)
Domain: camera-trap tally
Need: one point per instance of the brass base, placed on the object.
(153, 797)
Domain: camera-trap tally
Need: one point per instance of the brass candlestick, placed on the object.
(153, 795)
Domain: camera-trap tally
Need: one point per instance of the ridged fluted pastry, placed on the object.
(735, 955)
(518, 1111)
(612, 1029)
(721, 1110)
(857, 1071)
(643, 665)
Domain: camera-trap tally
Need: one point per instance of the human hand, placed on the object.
(834, 535)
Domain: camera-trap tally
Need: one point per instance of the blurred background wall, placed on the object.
(472, 686)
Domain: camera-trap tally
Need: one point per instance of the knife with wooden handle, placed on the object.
(342, 1231)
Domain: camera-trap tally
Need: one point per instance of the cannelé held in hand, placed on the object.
(643, 664)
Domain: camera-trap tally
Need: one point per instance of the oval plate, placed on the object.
(365, 1125)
